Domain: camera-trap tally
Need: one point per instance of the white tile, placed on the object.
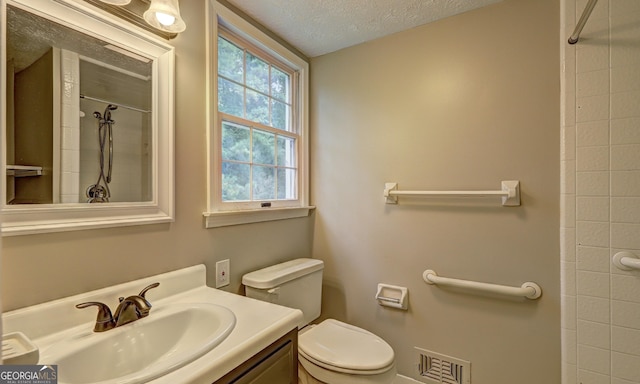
(592, 83)
(625, 340)
(616, 380)
(625, 157)
(625, 210)
(70, 183)
(623, 7)
(70, 160)
(593, 259)
(592, 208)
(624, 79)
(600, 11)
(625, 314)
(625, 183)
(592, 158)
(568, 177)
(593, 108)
(593, 133)
(568, 105)
(591, 57)
(625, 236)
(70, 138)
(569, 373)
(592, 183)
(70, 198)
(568, 315)
(594, 284)
(625, 104)
(594, 334)
(625, 131)
(568, 145)
(569, 346)
(568, 211)
(625, 366)
(568, 244)
(626, 288)
(591, 233)
(589, 377)
(593, 309)
(594, 359)
(626, 29)
(568, 278)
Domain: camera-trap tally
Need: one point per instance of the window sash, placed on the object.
(247, 46)
(256, 203)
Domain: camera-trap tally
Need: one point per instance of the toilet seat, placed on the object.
(345, 348)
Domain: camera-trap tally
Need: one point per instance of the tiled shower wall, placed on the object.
(600, 193)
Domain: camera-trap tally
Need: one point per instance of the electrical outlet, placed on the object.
(222, 273)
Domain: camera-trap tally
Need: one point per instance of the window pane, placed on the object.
(257, 74)
(264, 147)
(236, 142)
(286, 184)
(286, 152)
(264, 185)
(230, 60)
(280, 115)
(230, 97)
(279, 84)
(235, 181)
(257, 107)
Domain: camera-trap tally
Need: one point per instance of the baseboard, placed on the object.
(405, 380)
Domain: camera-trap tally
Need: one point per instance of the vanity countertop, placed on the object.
(258, 323)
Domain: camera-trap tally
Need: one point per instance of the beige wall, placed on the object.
(39, 268)
(601, 194)
(462, 103)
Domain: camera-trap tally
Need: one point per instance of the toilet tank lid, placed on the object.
(279, 274)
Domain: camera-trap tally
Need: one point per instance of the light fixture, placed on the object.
(165, 15)
(116, 2)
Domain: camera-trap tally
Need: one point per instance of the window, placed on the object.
(257, 126)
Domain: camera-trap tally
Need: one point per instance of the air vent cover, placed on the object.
(441, 369)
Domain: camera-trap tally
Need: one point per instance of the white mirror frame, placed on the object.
(43, 218)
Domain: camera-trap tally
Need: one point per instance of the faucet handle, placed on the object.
(147, 288)
(104, 320)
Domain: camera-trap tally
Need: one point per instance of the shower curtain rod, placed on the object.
(583, 20)
(112, 103)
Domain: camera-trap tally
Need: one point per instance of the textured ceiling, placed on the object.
(316, 27)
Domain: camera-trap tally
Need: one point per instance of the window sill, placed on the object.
(223, 219)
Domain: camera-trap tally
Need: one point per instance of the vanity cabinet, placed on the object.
(276, 364)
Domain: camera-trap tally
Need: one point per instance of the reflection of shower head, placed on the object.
(112, 107)
(97, 115)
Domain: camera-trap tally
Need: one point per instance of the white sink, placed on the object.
(169, 338)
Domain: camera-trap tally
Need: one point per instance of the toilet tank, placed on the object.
(294, 284)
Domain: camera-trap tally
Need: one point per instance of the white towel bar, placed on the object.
(510, 193)
(529, 289)
(626, 261)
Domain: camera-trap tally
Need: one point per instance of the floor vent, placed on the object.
(441, 369)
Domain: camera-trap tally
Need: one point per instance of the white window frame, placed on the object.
(222, 214)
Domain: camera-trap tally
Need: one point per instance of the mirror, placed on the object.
(89, 107)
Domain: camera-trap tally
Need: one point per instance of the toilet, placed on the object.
(331, 352)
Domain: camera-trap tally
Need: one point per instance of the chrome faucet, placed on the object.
(130, 309)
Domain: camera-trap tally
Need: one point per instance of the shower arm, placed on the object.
(583, 20)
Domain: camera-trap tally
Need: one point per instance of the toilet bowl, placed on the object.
(331, 352)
